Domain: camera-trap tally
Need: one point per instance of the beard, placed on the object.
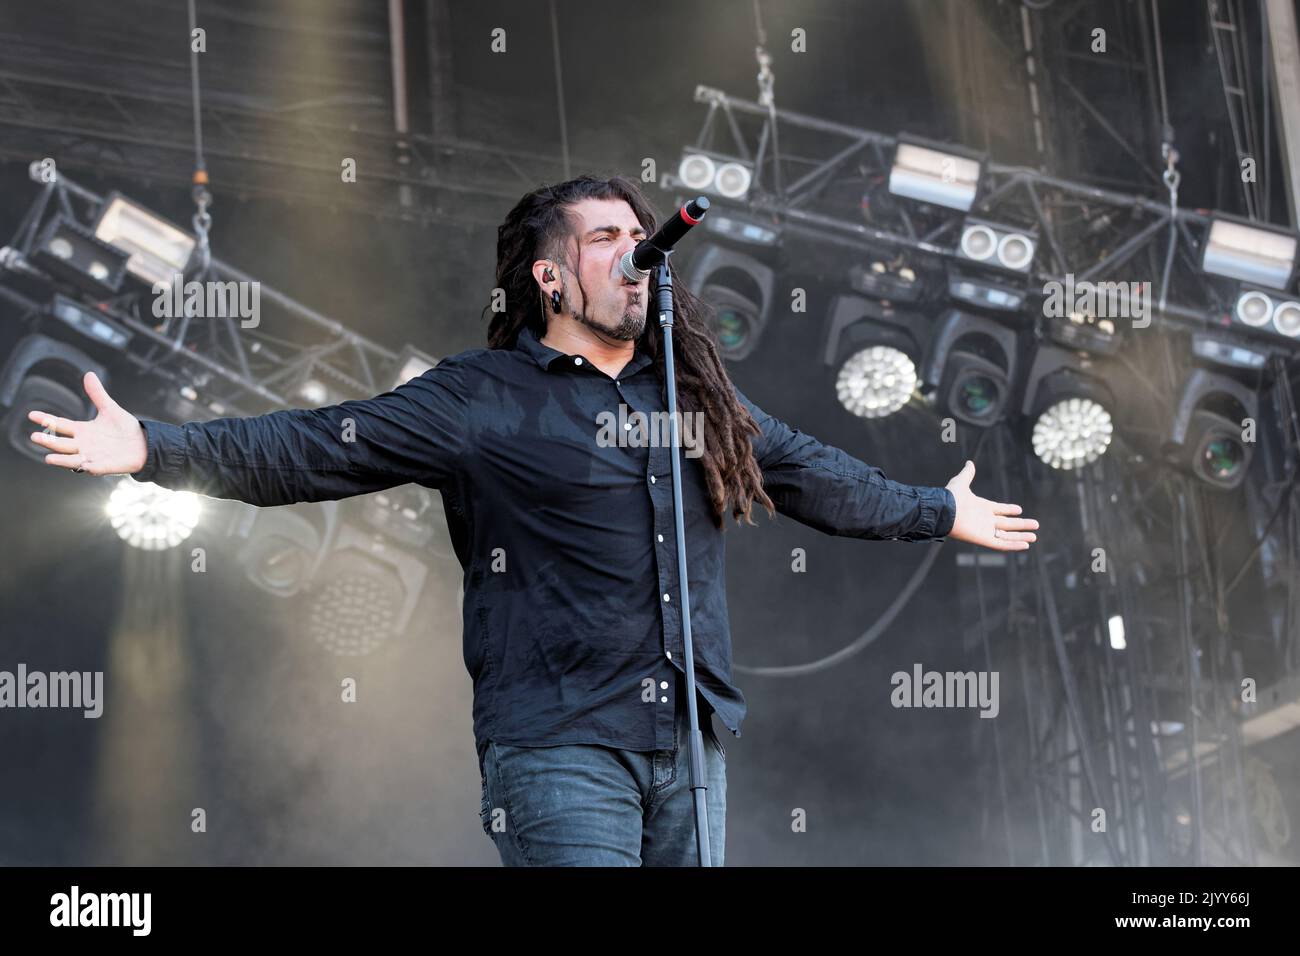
(630, 324)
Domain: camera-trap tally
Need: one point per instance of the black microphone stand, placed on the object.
(664, 303)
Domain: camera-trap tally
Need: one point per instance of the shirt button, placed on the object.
(627, 426)
(670, 654)
(663, 685)
(667, 598)
(660, 537)
(663, 700)
(652, 479)
(577, 360)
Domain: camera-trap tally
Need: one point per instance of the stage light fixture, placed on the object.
(897, 282)
(932, 175)
(1249, 252)
(984, 293)
(1223, 352)
(158, 249)
(1083, 330)
(876, 381)
(1068, 408)
(282, 548)
(151, 517)
(1072, 432)
(997, 246)
(90, 322)
(971, 363)
(724, 176)
(739, 288)
(364, 592)
(731, 226)
(67, 250)
(696, 171)
(1207, 437)
(1268, 310)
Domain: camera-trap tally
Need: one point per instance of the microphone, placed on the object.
(637, 263)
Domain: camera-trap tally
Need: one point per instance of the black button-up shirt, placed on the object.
(572, 627)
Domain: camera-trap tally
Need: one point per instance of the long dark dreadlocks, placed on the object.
(538, 227)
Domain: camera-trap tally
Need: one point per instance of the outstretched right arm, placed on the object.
(414, 433)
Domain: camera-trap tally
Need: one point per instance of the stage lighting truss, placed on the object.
(229, 368)
(954, 209)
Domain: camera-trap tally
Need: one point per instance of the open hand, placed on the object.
(112, 443)
(988, 523)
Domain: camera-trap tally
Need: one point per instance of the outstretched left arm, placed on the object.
(830, 490)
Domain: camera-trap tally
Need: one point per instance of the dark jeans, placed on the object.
(589, 805)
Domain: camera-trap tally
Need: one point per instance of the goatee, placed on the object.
(629, 328)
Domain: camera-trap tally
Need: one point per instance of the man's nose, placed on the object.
(626, 245)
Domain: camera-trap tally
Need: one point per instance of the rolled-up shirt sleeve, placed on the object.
(415, 432)
(830, 490)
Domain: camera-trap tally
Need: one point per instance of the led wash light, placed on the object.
(152, 517)
(1072, 433)
(876, 381)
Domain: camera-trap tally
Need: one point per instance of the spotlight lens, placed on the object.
(1015, 251)
(1223, 457)
(979, 242)
(733, 330)
(876, 381)
(732, 181)
(696, 171)
(1254, 308)
(978, 395)
(1286, 318)
(1072, 433)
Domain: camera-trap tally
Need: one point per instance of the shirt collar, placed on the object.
(545, 356)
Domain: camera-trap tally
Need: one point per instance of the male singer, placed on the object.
(572, 627)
